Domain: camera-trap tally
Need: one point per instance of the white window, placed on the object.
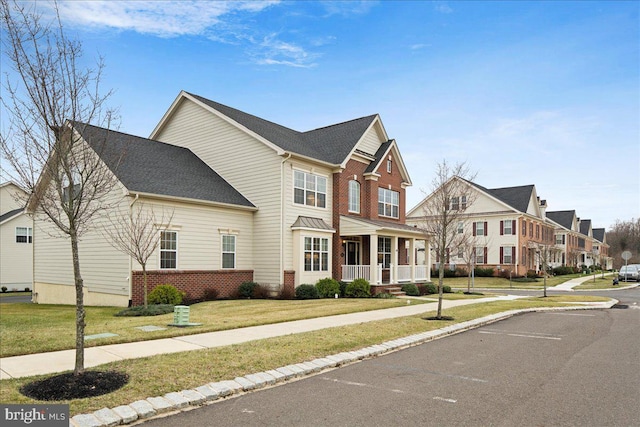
(507, 227)
(460, 253)
(24, 235)
(479, 252)
(309, 189)
(507, 254)
(463, 202)
(389, 165)
(384, 251)
(228, 251)
(388, 203)
(354, 196)
(460, 227)
(168, 249)
(454, 204)
(316, 254)
(479, 228)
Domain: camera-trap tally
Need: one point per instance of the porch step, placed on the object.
(396, 291)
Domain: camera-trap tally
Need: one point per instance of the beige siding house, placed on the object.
(250, 200)
(16, 239)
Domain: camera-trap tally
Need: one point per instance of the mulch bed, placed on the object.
(69, 386)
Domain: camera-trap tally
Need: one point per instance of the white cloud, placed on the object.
(442, 7)
(159, 18)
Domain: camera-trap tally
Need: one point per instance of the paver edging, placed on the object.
(229, 388)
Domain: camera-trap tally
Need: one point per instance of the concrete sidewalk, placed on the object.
(60, 361)
(570, 284)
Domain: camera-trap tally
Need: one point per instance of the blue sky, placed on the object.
(543, 93)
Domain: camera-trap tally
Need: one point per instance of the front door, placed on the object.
(352, 253)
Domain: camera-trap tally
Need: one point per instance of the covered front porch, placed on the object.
(382, 252)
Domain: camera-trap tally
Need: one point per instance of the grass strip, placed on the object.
(155, 376)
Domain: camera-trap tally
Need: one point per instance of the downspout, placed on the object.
(282, 218)
(130, 259)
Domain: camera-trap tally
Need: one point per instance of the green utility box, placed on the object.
(181, 315)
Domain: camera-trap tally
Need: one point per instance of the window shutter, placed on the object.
(501, 255)
(486, 261)
(486, 228)
(474, 228)
(501, 228)
(447, 260)
(513, 227)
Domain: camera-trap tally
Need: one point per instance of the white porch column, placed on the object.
(412, 259)
(393, 268)
(373, 258)
(427, 257)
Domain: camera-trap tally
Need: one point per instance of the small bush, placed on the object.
(307, 292)
(531, 274)
(446, 289)
(563, 270)
(4, 289)
(427, 289)
(151, 310)
(385, 295)
(343, 288)
(211, 294)
(27, 289)
(328, 287)
(410, 289)
(247, 289)
(359, 288)
(483, 272)
(165, 294)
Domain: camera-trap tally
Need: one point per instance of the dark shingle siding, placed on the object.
(147, 166)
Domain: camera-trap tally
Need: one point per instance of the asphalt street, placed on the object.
(538, 369)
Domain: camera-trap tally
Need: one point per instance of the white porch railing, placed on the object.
(352, 272)
(422, 272)
(404, 273)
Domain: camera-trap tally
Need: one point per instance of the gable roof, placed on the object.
(11, 214)
(585, 226)
(330, 144)
(516, 197)
(563, 218)
(152, 167)
(599, 234)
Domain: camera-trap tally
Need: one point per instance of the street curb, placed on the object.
(185, 400)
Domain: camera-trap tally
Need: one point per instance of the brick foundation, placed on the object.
(193, 282)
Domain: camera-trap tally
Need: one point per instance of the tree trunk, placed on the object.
(440, 290)
(144, 280)
(80, 312)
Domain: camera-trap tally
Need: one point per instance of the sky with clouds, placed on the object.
(539, 92)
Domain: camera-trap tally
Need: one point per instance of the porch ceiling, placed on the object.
(351, 226)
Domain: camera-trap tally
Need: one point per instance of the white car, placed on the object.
(629, 272)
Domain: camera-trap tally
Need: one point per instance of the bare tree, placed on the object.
(137, 234)
(46, 109)
(443, 210)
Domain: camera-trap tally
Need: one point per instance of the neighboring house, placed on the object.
(251, 201)
(578, 243)
(507, 227)
(16, 239)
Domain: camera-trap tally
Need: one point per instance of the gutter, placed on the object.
(281, 273)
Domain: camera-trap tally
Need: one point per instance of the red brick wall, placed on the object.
(193, 282)
(289, 286)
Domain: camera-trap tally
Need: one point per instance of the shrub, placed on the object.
(151, 310)
(359, 288)
(210, 294)
(531, 274)
(328, 287)
(427, 289)
(247, 289)
(385, 295)
(27, 289)
(483, 272)
(446, 289)
(307, 292)
(563, 270)
(410, 289)
(4, 289)
(165, 294)
(343, 288)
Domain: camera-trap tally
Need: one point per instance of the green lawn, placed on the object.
(155, 376)
(35, 328)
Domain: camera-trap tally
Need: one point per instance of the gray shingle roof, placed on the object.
(584, 226)
(564, 218)
(8, 215)
(331, 144)
(598, 234)
(147, 166)
(310, 222)
(516, 197)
